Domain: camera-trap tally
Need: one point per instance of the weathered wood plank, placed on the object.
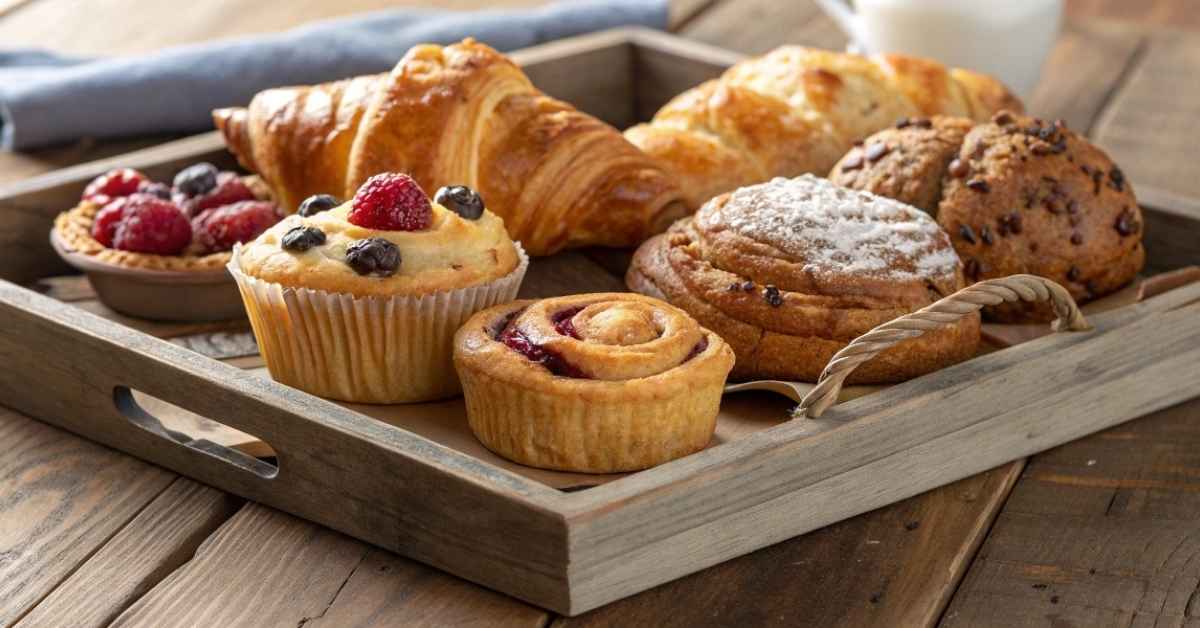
(756, 26)
(1094, 532)
(276, 570)
(895, 566)
(387, 590)
(158, 540)
(61, 499)
(1083, 71)
(1150, 127)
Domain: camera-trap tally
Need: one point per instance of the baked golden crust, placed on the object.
(459, 115)
(452, 253)
(789, 272)
(1016, 195)
(642, 381)
(796, 110)
(74, 231)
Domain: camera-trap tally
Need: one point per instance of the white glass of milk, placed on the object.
(1008, 39)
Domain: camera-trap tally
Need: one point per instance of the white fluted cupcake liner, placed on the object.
(382, 350)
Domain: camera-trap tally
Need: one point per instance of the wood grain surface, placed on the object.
(1090, 74)
(158, 540)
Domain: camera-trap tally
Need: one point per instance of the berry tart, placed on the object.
(596, 383)
(359, 301)
(138, 238)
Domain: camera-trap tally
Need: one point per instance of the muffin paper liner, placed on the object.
(381, 350)
(569, 432)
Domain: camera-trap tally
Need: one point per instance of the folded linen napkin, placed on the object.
(48, 99)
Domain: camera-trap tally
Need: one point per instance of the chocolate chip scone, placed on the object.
(790, 271)
(1016, 195)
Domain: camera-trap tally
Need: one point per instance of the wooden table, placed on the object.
(1104, 531)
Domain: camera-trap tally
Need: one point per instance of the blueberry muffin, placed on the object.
(359, 301)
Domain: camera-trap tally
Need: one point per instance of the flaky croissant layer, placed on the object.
(797, 110)
(459, 115)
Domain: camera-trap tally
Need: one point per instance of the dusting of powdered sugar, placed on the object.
(829, 228)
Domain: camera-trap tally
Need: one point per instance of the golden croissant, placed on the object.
(459, 115)
(797, 110)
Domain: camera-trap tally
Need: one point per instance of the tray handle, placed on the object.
(945, 311)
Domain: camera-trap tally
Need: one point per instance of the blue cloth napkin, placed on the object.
(48, 99)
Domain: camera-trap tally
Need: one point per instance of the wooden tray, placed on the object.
(545, 539)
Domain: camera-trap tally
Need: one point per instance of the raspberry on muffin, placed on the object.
(391, 202)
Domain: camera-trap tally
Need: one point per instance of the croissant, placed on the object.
(797, 110)
(459, 115)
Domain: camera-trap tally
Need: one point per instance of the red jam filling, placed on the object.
(514, 339)
(563, 324)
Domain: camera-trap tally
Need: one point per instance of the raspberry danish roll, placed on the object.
(595, 383)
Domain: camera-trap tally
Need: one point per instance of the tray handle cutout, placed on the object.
(126, 401)
(942, 312)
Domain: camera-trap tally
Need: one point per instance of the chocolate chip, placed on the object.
(1073, 273)
(302, 238)
(1117, 178)
(979, 185)
(1003, 117)
(1076, 238)
(1052, 205)
(748, 286)
(735, 287)
(959, 168)
(922, 123)
(966, 233)
(985, 233)
(1041, 149)
(876, 151)
(1011, 222)
(1126, 223)
(853, 162)
(772, 297)
(902, 122)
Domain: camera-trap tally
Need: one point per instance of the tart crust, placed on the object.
(74, 230)
(654, 385)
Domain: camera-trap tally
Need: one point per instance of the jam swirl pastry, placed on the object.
(593, 383)
(790, 271)
(359, 301)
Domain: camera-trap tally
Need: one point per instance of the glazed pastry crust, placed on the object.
(652, 384)
(1045, 201)
(720, 275)
(453, 253)
(797, 110)
(459, 115)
